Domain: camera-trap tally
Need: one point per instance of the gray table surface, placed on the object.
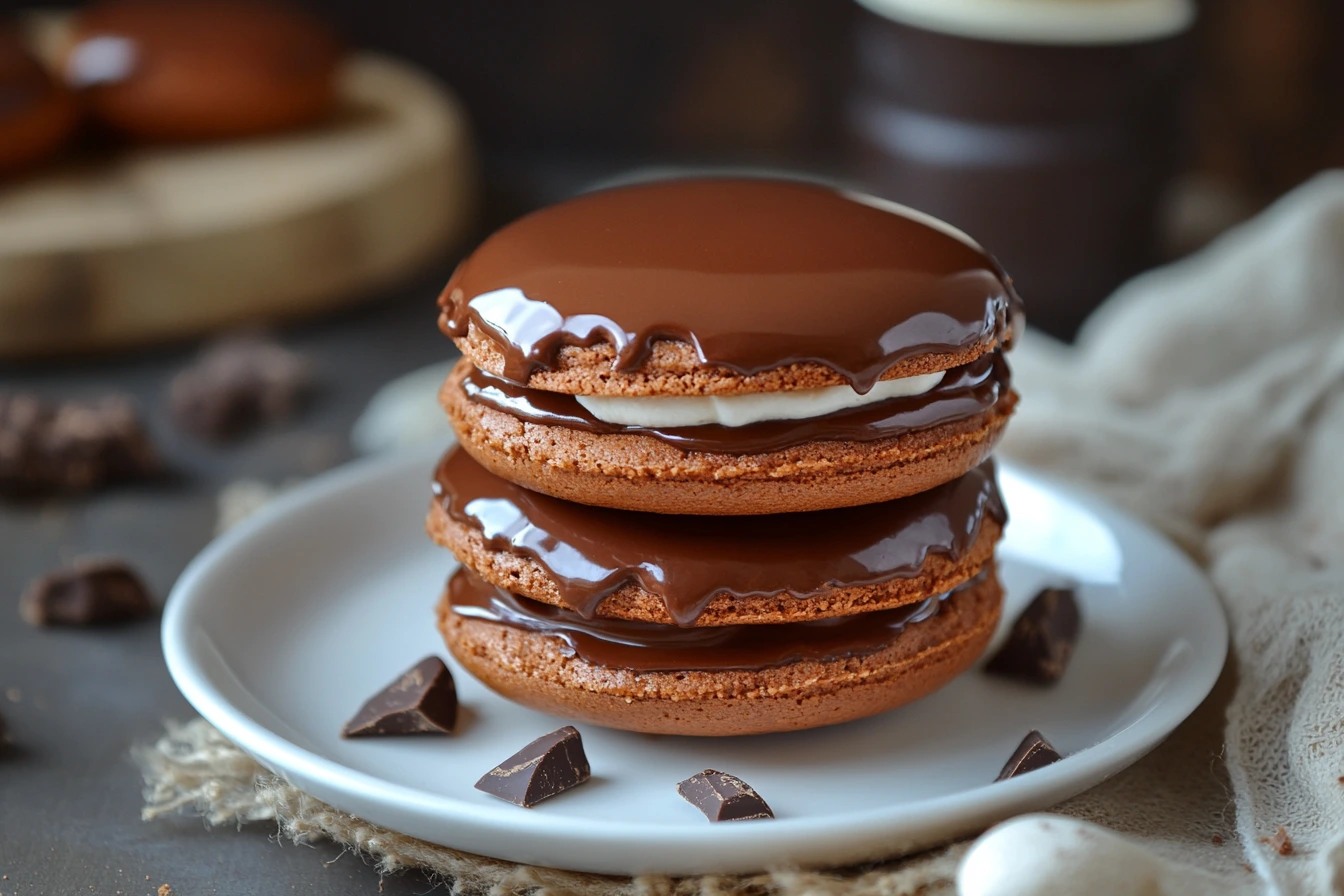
(77, 700)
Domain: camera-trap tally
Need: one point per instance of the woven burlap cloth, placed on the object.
(1206, 397)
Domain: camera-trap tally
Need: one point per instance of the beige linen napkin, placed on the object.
(1206, 397)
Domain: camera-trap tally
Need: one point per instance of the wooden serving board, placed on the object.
(154, 243)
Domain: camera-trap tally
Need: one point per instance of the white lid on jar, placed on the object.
(1044, 21)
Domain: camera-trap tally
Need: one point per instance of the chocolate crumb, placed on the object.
(1034, 752)
(90, 592)
(1041, 641)
(236, 385)
(1217, 840)
(723, 797)
(422, 701)
(71, 447)
(551, 764)
(1280, 842)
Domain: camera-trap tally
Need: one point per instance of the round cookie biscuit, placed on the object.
(725, 285)
(191, 70)
(525, 576)
(543, 672)
(730, 306)
(37, 113)
(695, 571)
(636, 471)
(673, 368)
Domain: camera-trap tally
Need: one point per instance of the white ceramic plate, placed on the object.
(283, 626)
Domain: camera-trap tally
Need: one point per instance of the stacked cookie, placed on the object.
(724, 456)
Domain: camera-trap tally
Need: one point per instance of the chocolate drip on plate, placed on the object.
(964, 392)
(650, 647)
(756, 274)
(591, 552)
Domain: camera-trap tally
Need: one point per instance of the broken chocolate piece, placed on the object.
(549, 765)
(49, 448)
(1041, 642)
(91, 592)
(422, 701)
(1034, 752)
(236, 385)
(723, 797)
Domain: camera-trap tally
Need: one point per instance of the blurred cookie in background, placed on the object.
(37, 113)
(201, 69)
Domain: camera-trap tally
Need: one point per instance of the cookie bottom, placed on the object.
(631, 471)
(539, 671)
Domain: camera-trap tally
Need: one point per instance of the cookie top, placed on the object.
(725, 284)
(688, 561)
(202, 69)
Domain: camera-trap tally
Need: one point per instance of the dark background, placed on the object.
(560, 94)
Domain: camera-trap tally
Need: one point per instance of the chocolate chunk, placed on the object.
(1034, 752)
(1041, 642)
(91, 592)
(236, 385)
(422, 701)
(49, 448)
(723, 797)
(549, 765)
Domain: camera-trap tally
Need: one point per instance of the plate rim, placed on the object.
(993, 800)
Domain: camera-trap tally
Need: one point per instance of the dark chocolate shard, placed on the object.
(422, 701)
(91, 592)
(71, 447)
(723, 797)
(549, 765)
(239, 383)
(1041, 642)
(1034, 752)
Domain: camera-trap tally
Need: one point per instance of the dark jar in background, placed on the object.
(1047, 129)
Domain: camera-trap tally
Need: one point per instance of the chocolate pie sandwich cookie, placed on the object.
(719, 680)
(715, 625)
(708, 571)
(729, 347)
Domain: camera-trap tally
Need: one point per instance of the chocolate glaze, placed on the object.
(591, 552)
(964, 392)
(649, 647)
(755, 274)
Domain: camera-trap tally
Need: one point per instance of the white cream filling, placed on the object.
(665, 411)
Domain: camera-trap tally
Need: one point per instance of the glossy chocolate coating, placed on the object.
(964, 392)
(756, 274)
(591, 552)
(650, 647)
